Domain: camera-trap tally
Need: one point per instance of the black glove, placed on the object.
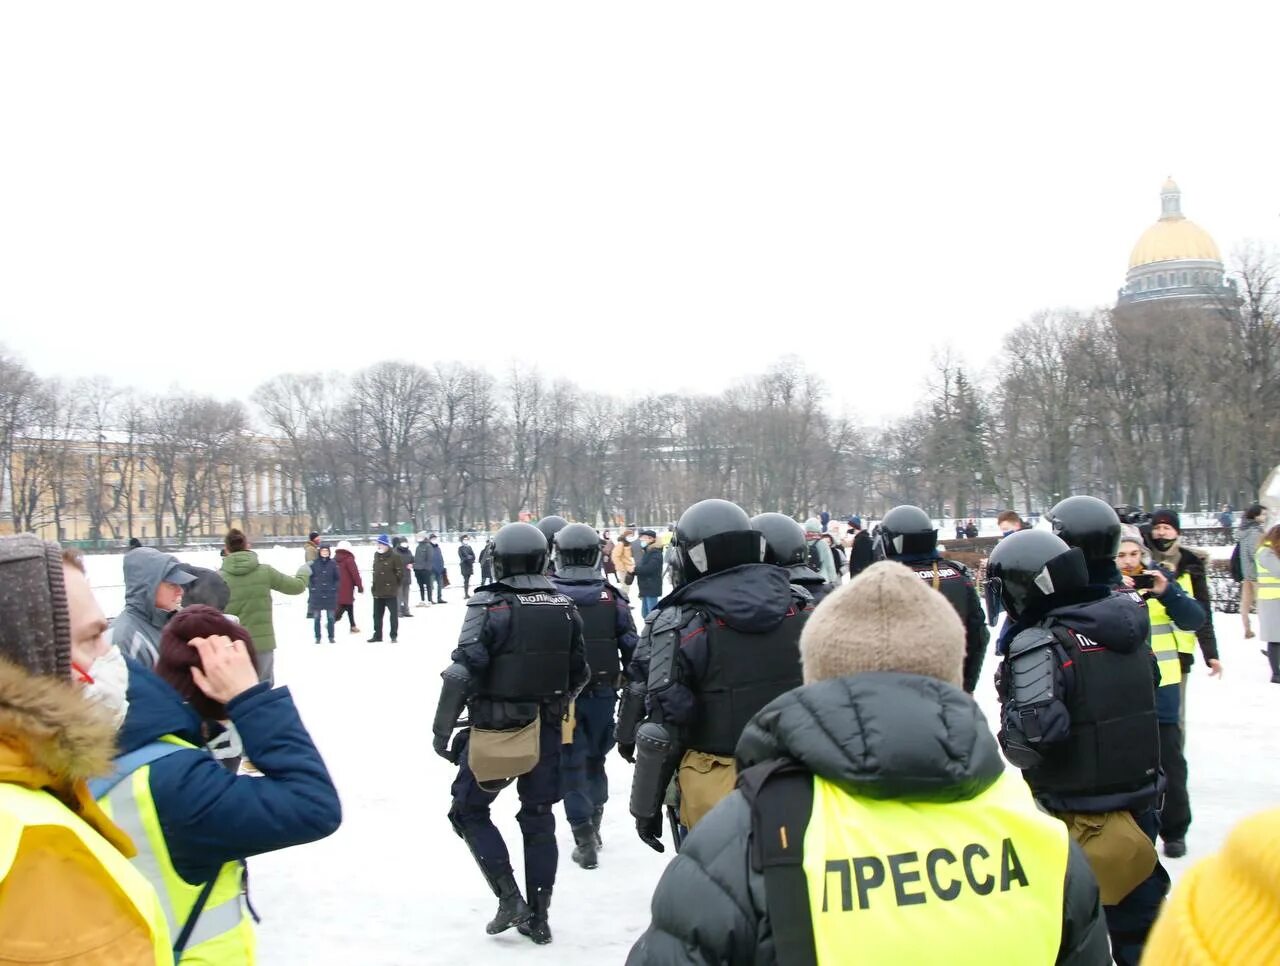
(627, 751)
(650, 832)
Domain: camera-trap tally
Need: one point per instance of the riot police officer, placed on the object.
(909, 536)
(1078, 715)
(786, 547)
(718, 648)
(520, 660)
(550, 526)
(610, 634)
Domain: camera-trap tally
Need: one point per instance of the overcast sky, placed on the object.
(641, 197)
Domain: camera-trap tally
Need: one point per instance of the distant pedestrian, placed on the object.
(486, 562)
(400, 546)
(348, 583)
(422, 555)
(437, 568)
(466, 565)
(323, 597)
(251, 583)
(388, 574)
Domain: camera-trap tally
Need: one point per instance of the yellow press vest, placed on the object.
(22, 808)
(1268, 582)
(223, 934)
(979, 881)
(1167, 639)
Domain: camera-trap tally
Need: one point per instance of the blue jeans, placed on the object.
(437, 581)
(329, 624)
(647, 604)
(582, 774)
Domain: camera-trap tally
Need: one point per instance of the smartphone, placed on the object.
(1144, 581)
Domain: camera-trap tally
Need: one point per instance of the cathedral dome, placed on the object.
(1173, 237)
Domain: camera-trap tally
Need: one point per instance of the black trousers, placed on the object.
(349, 610)
(1175, 816)
(383, 605)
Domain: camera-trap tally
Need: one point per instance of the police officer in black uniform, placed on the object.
(610, 634)
(520, 658)
(786, 547)
(550, 526)
(908, 536)
(1077, 688)
(716, 650)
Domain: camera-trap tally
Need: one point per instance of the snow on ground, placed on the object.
(395, 886)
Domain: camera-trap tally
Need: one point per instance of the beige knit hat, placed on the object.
(887, 619)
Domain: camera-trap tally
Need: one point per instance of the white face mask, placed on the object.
(110, 684)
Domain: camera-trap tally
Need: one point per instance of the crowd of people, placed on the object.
(809, 746)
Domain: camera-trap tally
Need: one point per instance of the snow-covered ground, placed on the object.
(395, 886)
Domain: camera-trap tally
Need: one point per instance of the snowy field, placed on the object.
(394, 885)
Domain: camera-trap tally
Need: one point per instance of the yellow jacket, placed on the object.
(68, 895)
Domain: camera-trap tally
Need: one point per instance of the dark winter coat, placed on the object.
(649, 571)
(348, 578)
(388, 573)
(437, 558)
(323, 585)
(885, 735)
(406, 559)
(210, 816)
(486, 561)
(466, 560)
(422, 555)
(861, 555)
(251, 585)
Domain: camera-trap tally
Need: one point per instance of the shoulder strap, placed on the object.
(188, 927)
(780, 795)
(128, 763)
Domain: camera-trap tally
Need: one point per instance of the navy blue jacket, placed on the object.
(649, 571)
(210, 816)
(324, 585)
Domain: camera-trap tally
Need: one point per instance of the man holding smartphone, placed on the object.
(1175, 615)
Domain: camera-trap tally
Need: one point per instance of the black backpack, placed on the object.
(1237, 569)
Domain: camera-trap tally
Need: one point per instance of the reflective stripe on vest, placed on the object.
(1167, 639)
(24, 807)
(223, 933)
(1268, 581)
(888, 878)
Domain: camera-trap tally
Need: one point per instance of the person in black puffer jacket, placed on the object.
(906, 771)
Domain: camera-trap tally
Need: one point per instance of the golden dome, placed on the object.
(1173, 237)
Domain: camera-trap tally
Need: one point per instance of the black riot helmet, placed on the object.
(550, 526)
(715, 535)
(519, 548)
(1088, 523)
(1030, 567)
(906, 531)
(576, 547)
(785, 544)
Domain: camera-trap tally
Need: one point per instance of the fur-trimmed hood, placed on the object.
(47, 728)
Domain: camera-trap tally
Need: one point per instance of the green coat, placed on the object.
(251, 585)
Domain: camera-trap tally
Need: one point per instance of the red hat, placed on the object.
(178, 657)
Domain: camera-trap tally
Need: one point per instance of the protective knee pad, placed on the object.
(464, 818)
(537, 822)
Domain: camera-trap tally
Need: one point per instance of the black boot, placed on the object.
(584, 851)
(596, 818)
(512, 909)
(1273, 655)
(537, 928)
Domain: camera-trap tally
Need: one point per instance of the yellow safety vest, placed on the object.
(223, 934)
(979, 881)
(22, 808)
(1168, 640)
(1268, 582)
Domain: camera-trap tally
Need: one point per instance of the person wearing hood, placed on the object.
(348, 583)
(907, 535)
(786, 547)
(649, 572)
(400, 547)
(251, 583)
(1252, 523)
(609, 635)
(153, 586)
(68, 893)
(422, 568)
(1173, 613)
(820, 558)
(1167, 551)
(322, 597)
(1077, 688)
(466, 564)
(874, 814)
(193, 821)
(719, 646)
